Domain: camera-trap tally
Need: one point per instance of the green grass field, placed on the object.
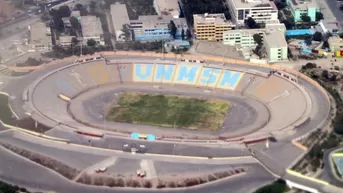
(169, 111)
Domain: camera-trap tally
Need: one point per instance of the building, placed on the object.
(303, 7)
(335, 43)
(91, 29)
(244, 38)
(40, 37)
(167, 7)
(155, 28)
(65, 41)
(275, 46)
(261, 11)
(119, 17)
(327, 26)
(211, 26)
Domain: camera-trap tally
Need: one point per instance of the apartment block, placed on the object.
(261, 11)
(155, 28)
(40, 37)
(211, 26)
(303, 7)
(92, 29)
(119, 17)
(167, 7)
(244, 38)
(275, 46)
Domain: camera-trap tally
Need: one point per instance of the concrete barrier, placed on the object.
(299, 175)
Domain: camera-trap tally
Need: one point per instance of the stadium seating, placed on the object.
(98, 73)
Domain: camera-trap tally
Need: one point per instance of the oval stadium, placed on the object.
(172, 117)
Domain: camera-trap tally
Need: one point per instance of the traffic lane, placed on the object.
(157, 147)
(174, 148)
(27, 174)
(334, 7)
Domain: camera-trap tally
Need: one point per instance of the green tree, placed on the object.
(127, 32)
(257, 39)
(183, 34)
(172, 29)
(91, 42)
(317, 37)
(251, 23)
(319, 16)
(305, 18)
(325, 74)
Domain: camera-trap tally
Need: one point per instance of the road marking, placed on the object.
(149, 168)
(103, 164)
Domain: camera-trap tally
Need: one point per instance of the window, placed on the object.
(240, 14)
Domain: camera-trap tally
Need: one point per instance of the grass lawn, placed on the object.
(169, 111)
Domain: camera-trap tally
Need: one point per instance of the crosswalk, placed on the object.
(4, 70)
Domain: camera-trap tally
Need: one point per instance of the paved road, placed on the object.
(334, 7)
(18, 171)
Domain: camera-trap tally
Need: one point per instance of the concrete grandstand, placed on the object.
(72, 96)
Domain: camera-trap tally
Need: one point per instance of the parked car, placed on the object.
(100, 170)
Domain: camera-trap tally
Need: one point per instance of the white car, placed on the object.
(101, 170)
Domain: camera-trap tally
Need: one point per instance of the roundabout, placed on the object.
(73, 98)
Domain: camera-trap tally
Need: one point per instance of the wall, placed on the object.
(186, 74)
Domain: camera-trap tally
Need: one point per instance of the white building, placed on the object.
(91, 29)
(260, 10)
(275, 46)
(119, 17)
(65, 41)
(244, 40)
(167, 7)
(40, 37)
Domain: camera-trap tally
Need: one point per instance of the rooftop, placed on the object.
(156, 22)
(38, 34)
(275, 39)
(91, 26)
(119, 16)
(335, 40)
(303, 4)
(167, 7)
(66, 38)
(253, 3)
(218, 18)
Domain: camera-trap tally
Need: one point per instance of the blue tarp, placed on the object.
(135, 135)
(306, 51)
(297, 32)
(150, 137)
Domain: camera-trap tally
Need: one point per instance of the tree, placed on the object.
(257, 39)
(172, 29)
(91, 42)
(64, 11)
(183, 34)
(281, 4)
(251, 23)
(325, 74)
(92, 8)
(188, 34)
(127, 32)
(305, 18)
(319, 16)
(74, 41)
(317, 37)
(82, 9)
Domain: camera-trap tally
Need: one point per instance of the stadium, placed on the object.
(267, 104)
